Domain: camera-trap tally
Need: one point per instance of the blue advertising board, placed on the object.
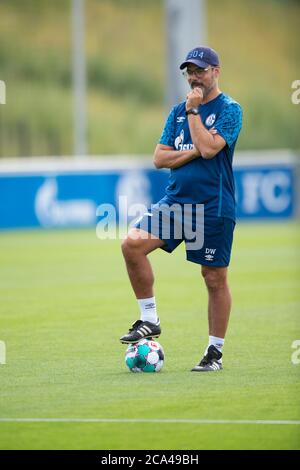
(70, 198)
(267, 192)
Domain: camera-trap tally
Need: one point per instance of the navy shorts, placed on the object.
(208, 240)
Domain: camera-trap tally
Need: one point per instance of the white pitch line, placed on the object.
(161, 421)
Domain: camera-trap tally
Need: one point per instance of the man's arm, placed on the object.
(207, 143)
(167, 157)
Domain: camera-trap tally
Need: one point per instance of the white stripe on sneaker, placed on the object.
(142, 331)
(147, 329)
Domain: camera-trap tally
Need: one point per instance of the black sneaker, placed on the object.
(210, 362)
(139, 330)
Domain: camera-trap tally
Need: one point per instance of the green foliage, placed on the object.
(133, 84)
(125, 44)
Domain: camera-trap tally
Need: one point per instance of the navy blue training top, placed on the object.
(205, 181)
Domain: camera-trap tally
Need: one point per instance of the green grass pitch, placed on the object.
(65, 300)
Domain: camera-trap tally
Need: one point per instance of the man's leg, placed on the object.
(135, 248)
(219, 300)
(219, 305)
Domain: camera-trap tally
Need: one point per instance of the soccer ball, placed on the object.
(145, 356)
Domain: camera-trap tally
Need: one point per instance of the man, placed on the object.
(197, 145)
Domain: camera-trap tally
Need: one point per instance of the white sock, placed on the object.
(148, 310)
(217, 342)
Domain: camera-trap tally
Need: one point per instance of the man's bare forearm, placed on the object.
(208, 143)
(169, 158)
(202, 139)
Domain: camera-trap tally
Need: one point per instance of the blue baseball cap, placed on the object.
(201, 56)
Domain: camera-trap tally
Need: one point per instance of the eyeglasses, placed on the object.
(199, 72)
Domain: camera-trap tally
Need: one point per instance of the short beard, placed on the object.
(205, 89)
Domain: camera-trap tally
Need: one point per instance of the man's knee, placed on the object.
(215, 278)
(135, 243)
(130, 246)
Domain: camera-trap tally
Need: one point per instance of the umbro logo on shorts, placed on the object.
(210, 253)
